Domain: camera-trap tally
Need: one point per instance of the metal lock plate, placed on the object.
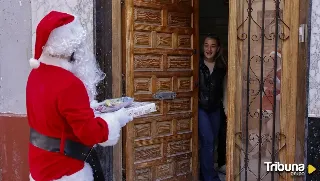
(165, 95)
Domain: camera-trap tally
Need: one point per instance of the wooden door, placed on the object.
(160, 46)
(263, 88)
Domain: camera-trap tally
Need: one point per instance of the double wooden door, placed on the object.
(266, 80)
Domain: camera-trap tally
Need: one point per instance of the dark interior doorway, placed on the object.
(214, 19)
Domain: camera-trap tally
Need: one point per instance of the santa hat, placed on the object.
(57, 34)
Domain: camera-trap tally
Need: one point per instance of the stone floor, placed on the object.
(252, 172)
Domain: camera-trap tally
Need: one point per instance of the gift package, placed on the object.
(133, 108)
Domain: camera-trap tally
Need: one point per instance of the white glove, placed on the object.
(122, 117)
(94, 104)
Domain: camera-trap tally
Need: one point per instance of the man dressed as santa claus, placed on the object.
(268, 101)
(63, 127)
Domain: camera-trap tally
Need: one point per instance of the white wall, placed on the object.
(314, 74)
(18, 21)
(15, 51)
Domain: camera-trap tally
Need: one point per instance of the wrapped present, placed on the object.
(111, 105)
(137, 109)
(133, 108)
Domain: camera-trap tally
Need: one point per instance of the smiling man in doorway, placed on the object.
(211, 78)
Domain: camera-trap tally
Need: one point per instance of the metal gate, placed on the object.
(261, 33)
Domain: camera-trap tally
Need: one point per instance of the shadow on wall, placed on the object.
(14, 139)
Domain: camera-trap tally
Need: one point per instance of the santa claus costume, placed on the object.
(268, 103)
(63, 127)
(268, 98)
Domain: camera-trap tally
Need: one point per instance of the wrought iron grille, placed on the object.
(261, 32)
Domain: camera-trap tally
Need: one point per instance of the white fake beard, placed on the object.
(86, 68)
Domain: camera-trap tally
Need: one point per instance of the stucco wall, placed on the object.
(313, 123)
(314, 72)
(15, 50)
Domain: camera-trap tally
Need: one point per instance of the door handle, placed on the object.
(165, 95)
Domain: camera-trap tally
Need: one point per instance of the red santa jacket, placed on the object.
(58, 106)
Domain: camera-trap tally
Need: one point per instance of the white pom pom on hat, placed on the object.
(51, 21)
(34, 63)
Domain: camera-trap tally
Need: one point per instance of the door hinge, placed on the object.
(122, 2)
(194, 51)
(123, 85)
(303, 33)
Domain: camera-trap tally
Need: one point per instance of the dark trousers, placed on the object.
(208, 125)
(222, 139)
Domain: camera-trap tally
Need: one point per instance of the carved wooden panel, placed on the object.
(184, 126)
(148, 153)
(186, 2)
(178, 147)
(179, 105)
(165, 171)
(164, 128)
(142, 130)
(160, 39)
(164, 84)
(179, 63)
(164, 40)
(179, 19)
(183, 167)
(142, 39)
(143, 174)
(142, 85)
(164, 1)
(147, 16)
(184, 84)
(184, 41)
(148, 62)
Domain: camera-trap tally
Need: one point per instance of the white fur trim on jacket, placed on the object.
(84, 174)
(114, 129)
(55, 61)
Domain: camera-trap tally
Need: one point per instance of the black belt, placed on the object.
(71, 149)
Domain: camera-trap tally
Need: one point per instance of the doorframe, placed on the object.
(117, 77)
(233, 113)
(104, 12)
(290, 71)
(102, 45)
